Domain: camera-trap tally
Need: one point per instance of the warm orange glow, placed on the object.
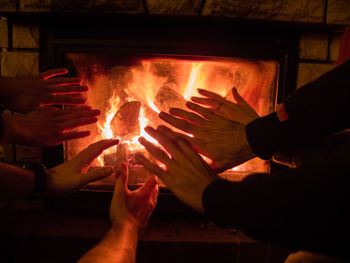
(150, 86)
(194, 80)
(152, 106)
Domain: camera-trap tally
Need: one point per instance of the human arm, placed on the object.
(185, 173)
(303, 208)
(24, 94)
(46, 126)
(219, 132)
(315, 110)
(129, 212)
(18, 184)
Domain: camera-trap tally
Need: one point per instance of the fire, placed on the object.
(144, 85)
(193, 81)
(150, 86)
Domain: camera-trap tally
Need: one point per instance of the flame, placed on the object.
(133, 144)
(193, 83)
(105, 126)
(143, 87)
(152, 106)
(141, 82)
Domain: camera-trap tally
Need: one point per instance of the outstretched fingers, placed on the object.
(65, 99)
(64, 81)
(177, 122)
(84, 158)
(238, 98)
(66, 136)
(53, 73)
(189, 116)
(155, 151)
(67, 89)
(205, 112)
(97, 173)
(168, 143)
(150, 166)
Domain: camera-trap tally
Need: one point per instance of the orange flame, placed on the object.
(193, 82)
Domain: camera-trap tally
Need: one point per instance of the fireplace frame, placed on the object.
(140, 35)
(164, 35)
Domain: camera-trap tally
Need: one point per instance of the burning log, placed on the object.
(151, 116)
(167, 98)
(125, 122)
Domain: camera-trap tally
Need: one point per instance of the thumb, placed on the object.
(122, 179)
(150, 185)
(238, 98)
(97, 173)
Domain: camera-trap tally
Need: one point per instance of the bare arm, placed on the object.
(46, 126)
(24, 94)
(18, 184)
(129, 212)
(118, 245)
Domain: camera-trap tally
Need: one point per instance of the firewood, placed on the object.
(167, 98)
(151, 116)
(125, 122)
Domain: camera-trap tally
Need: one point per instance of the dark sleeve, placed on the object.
(317, 109)
(303, 208)
(1, 127)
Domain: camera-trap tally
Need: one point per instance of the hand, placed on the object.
(47, 126)
(70, 176)
(132, 206)
(186, 174)
(220, 139)
(240, 111)
(27, 93)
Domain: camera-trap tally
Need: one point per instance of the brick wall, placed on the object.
(19, 57)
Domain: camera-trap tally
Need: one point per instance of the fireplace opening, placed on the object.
(131, 91)
(136, 66)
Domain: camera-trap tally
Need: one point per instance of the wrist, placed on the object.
(125, 223)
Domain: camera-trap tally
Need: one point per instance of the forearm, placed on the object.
(15, 183)
(316, 110)
(304, 208)
(118, 246)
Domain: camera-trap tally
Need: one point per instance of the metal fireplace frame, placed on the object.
(138, 35)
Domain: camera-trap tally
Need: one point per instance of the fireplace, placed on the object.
(211, 34)
(136, 66)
